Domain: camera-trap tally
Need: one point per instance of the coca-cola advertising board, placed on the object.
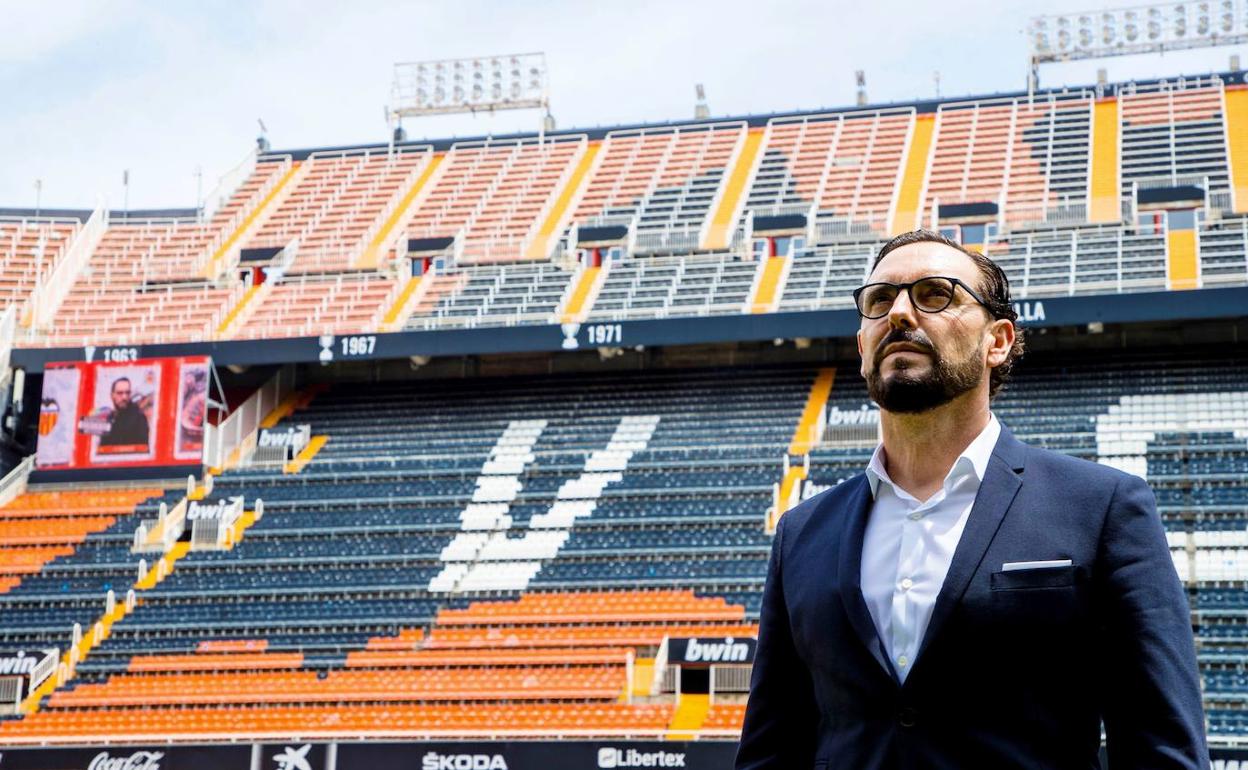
(174, 757)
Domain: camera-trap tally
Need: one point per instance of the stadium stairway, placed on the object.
(1104, 188)
(400, 212)
(908, 205)
(727, 208)
(37, 528)
(582, 290)
(805, 437)
(59, 524)
(559, 211)
(1237, 144)
(247, 304)
(221, 258)
(116, 611)
(306, 455)
(769, 280)
(1182, 256)
(689, 717)
(404, 304)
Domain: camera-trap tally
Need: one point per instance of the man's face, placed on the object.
(121, 395)
(915, 361)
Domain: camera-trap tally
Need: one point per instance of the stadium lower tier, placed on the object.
(483, 556)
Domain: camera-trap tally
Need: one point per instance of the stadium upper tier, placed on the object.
(1133, 187)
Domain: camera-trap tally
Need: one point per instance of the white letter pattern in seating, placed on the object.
(482, 557)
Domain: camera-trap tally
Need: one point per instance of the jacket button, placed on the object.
(907, 717)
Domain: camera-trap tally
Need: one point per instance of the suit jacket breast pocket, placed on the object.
(1024, 579)
(1040, 604)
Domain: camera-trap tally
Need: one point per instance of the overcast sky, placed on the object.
(93, 87)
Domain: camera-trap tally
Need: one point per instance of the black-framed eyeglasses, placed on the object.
(930, 294)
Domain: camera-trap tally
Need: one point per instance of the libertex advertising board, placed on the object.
(116, 415)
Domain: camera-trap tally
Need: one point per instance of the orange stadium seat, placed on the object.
(115, 300)
(37, 527)
(393, 719)
(493, 193)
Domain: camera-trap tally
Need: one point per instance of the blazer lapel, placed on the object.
(996, 492)
(849, 575)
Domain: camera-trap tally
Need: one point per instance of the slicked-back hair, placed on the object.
(994, 287)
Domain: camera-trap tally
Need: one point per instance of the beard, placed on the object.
(907, 391)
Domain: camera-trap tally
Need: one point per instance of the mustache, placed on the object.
(908, 336)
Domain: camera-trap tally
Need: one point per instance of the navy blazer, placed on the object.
(1017, 669)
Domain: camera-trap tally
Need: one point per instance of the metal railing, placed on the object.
(14, 482)
(171, 523)
(228, 230)
(228, 184)
(216, 532)
(676, 235)
(535, 225)
(392, 204)
(11, 693)
(47, 298)
(237, 432)
(8, 332)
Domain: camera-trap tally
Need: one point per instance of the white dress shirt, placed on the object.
(909, 544)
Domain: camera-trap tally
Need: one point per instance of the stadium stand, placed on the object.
(843, 167)
(336, 203)
(664, 181)
(334, 595)
(346, 581)
(1028, 157)
(31, 248)
(491, 195)
(1031, 179)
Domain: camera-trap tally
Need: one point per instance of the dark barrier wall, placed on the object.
(1047, 312)
(446, 755)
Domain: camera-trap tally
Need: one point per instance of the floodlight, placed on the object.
(1109, 31)
(1180, 20)
(512, 81)
(1174, 25)
(1085, 32)
(1154, 23)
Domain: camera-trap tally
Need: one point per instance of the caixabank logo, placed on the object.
(293, 756)
(612, 757)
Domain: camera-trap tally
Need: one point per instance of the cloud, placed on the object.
(164, 88)
(36, 30)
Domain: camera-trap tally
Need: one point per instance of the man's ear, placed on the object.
(1001, 339)
(862, 365)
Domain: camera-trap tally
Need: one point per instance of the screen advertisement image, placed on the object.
(193, 377)
(131, 414)
(57, 410)
(124, 416)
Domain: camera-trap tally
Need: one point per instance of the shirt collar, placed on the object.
(974, 459)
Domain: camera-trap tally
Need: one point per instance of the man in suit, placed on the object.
(969, 602)
(127, 423)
